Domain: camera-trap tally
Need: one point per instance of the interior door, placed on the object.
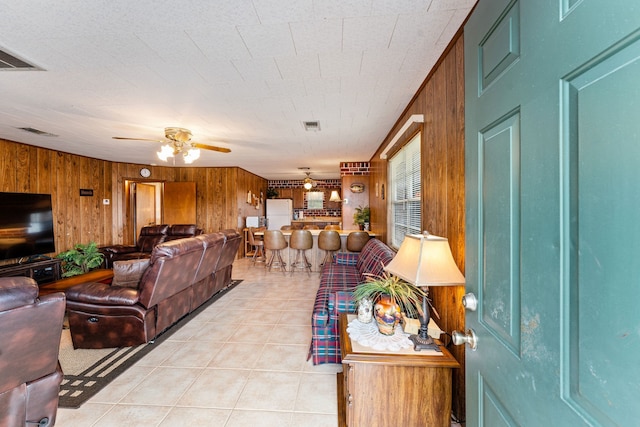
(145, 210)
(179, 203)
(552, 172)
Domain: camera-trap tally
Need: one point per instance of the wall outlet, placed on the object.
(106, 201)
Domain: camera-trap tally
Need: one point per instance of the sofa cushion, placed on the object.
(102, 294)
(345, 258)
(128, 273)
(373, 257)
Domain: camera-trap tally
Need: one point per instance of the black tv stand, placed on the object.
(42, 271)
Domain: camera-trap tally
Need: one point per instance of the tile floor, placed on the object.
(241, 362)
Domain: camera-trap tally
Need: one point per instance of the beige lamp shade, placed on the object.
(335, 197)
(425, 260)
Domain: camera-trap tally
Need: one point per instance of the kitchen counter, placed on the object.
(314, 219)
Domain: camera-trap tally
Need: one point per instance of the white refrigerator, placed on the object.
(279, 213)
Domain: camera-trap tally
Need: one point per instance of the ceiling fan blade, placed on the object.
(210, 147)
(136, 139)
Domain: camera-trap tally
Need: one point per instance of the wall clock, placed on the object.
(145, 173)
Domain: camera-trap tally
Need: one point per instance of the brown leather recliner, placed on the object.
(182, 231)
(30, 375)
(150, 237)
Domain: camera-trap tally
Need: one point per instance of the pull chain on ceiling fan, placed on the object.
(179, 142)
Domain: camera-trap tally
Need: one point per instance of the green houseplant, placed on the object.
(80, 259)
(390, 296)
(361, 216)
(272, 193)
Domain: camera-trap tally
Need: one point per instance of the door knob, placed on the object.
(470, 302)
(470, 338)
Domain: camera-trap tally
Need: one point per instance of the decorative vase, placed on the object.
(365, 310)
(387, 314)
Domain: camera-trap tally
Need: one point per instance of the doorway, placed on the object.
(158, 202)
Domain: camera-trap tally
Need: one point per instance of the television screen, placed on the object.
(26, 225)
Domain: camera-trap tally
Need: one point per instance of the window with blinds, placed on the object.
(404, 186)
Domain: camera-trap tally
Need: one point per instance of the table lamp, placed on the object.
(425, 260)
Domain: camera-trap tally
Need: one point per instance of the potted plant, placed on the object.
(272, 193)
(390, 296)
(80, 259)
(361, 216)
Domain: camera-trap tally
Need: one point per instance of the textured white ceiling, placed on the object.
(242, 74)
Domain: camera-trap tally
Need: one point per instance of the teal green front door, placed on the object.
(553, 212)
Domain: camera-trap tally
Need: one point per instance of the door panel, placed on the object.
(179, 203)
(552, 170)
(145, 209)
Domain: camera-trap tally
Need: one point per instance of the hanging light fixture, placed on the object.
(165, 152)
(180, 143)
(191, 155)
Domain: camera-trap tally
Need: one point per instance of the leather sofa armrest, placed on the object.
(103, 294)
(120, 249)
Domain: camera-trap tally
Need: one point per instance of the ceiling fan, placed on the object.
(179, 141)
(309, 182)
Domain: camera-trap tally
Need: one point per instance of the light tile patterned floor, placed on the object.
(242, 362)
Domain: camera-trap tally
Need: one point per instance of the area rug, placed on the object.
(86, 372)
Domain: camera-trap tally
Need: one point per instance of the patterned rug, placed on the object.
(86, 372)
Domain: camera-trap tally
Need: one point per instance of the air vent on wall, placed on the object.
(11, 62)
(37, 131)
(311, 126)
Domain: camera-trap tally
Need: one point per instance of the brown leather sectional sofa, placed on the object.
(182, 274)
(150, 236)
(30, 330)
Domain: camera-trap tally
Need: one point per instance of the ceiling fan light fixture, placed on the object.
(165, 152)
(191, 155)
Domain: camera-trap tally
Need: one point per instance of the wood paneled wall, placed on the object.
(441, 101)
(220, 192)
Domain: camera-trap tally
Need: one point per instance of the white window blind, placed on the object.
(404, 174)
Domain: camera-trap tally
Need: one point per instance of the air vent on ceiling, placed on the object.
(11, 62)
(37, 131)
(312, 126)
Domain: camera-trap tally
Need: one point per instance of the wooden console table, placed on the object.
(385, 388)
(99, 275)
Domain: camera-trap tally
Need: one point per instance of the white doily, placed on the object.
(367, 334)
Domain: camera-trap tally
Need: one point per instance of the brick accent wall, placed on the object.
(354, 168)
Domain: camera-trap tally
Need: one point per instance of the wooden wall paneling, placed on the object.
(42, 171)
(108, 229)
(8, 169)
(23, 175)
(441, 100)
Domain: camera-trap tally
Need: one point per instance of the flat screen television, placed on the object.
(26, 225)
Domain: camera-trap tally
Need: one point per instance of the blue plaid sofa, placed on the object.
(337, 280)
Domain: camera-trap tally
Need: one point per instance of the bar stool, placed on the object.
(356, 240)
(311, 227)
(301, 240)
(329, 241)
(275, 242)
(332, 227)
(257, 245)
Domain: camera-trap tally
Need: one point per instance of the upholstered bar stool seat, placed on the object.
(301, 241)
(329, 241)
(275, 242)
(356, 240)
